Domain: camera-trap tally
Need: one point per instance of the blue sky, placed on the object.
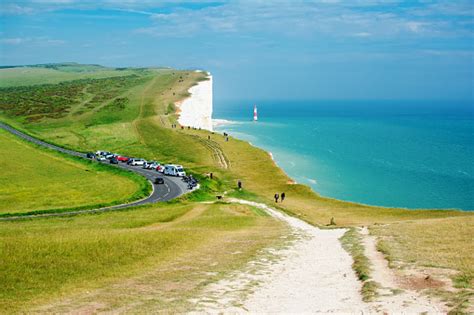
(258, 49)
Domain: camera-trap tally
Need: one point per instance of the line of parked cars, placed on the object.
(167, 169)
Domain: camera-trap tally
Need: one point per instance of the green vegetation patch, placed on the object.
(35, 179)
(34, 103)
(352, 242)
(55, 73)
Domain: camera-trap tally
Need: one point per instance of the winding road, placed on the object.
(171, 188)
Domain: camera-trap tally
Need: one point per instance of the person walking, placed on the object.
(276, 197)
(239, 185)
(282, 196)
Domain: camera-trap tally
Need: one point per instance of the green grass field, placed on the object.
(42, 75)
(45, 260)
(140, 126)
(36, 179)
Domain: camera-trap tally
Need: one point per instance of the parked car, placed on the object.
(101, 158)
(109, 156)
(151, 165)
(100, 153)
(174, 170)
(122, 158)
(90, 155)
(113, 161)
(137, 162)
(160, 168)
(159, 181)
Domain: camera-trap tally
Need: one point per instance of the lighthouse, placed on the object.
(255, 117)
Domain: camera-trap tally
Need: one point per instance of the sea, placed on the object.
(409, 154)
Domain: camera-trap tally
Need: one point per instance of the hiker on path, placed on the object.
(283, 196)
(276, 197)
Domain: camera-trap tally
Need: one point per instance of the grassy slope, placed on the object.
(28, 75)
(45, 259)
(445, 243)
(50, 258)
(33, 179)
(142, 129)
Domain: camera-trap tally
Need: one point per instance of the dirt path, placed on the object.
(218, 154)
(312, 274)
(136, 121)
(392, 298)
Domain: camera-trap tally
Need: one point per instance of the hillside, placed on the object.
(131, 111)
(35, 180)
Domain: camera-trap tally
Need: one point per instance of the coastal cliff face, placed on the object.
(196, 110)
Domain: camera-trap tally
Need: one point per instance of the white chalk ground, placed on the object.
(312, 274)
(196, 110)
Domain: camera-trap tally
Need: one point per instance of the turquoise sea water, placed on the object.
(401, 154)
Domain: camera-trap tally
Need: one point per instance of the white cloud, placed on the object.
(358, 18)
(416, 27)
(12, 41)
(363, 34)
(14, 9)
(32, 41)
(296, 18)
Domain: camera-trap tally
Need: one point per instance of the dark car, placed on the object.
(113, 161)
(90, 155)
(159, 181)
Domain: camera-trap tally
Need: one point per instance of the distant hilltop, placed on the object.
(79, 67)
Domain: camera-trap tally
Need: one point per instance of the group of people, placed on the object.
(279, 196)
(226, 136)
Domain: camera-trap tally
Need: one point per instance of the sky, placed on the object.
(285, 49)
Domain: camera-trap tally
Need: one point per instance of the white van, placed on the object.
(174, 170)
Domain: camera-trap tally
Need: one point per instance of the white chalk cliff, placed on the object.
(196, 110)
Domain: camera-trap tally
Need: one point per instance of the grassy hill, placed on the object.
(35, 179)
(54, 73)
(132, 113)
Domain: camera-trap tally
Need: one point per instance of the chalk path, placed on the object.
(312, 274)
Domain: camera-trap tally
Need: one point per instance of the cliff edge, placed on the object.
(196, 110)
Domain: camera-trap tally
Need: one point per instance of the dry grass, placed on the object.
(166, 252)
(440, 243)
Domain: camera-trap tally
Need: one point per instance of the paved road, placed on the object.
(173, 187)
